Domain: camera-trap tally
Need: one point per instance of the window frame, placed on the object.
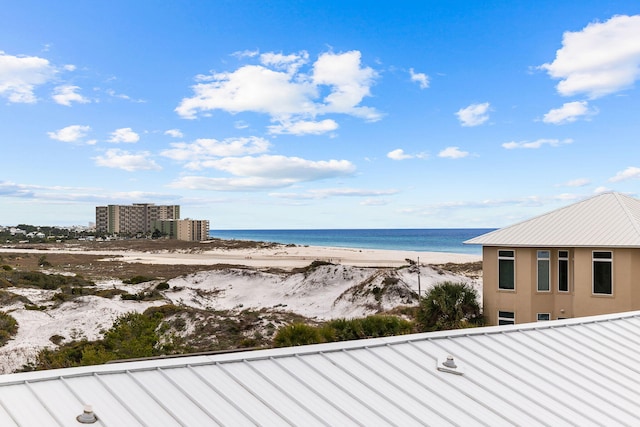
(597, 262)
(563, 259)
(540, 259)
(511, 258)
(504, 318)
(548, 317)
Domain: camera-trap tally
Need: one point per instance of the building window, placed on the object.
(602, 273)
(506, 318)
(542, 317)
(506, 270)
(544, 270)
(563, 271)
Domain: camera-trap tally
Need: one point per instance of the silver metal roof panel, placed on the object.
(569, 372)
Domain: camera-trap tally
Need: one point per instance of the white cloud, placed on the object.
(290, 169)
(579, 182)
(420, 78)
(121, 159)
(453, 153)
(20, 75)
(474, 114)
(202, 150)
(602, 58)
(335, 192)
(228, 184)
(569, 112)
(536, 144)
(399, 154)
(290, 63)
(287, 94)
(113, 94)
(71, 133)
(66, 94)
(631, 172)
(126, 135)
(303, 127)
(174, 133)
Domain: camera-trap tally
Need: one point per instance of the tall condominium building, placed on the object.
(183, 229)
(133, 219)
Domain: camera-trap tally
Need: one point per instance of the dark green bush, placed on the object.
(449, 305)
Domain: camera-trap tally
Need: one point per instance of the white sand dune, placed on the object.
(330, 291)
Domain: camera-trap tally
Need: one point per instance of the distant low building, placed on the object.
(183, 229)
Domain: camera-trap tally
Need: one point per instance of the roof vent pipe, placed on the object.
(449, 365)
(87, 416)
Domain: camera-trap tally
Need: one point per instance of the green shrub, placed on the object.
(296, 334)
(135, 280)
(449, 305)
(162, 286)
(8, 327)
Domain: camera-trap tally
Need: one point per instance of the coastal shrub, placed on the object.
(342, 330)
(162, 286)
(45, 281)
(296, 334)
(135, 280)
(132, 335)
(142, 296)
(314, 265)
(8, 327)
(369, 327)
(449, 305)
(6, 267)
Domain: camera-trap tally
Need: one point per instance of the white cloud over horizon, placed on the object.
(303, 127)
(66, 94)
(124, 135)
(120, 159)
(601, 59)
(538, 143)
(174, 133)
(631, 172)
(474, 114)
(421, 78)
(399, 154)
(568, 113)
(336, 83)
(20, 75)
(453, 153)
(197, 153)
(71, 133)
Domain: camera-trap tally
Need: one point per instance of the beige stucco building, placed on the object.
(183, 229)
(580, 260)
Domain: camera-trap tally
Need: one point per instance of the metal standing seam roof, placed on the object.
(605, 220)
(569, 372)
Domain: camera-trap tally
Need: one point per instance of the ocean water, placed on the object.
(420, 239)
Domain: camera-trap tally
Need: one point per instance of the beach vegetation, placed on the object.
(449, 305)
(135, 280)
(297, 334)
(8, 327)
(342, 330)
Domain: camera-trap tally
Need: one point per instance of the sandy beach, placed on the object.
(278, 256)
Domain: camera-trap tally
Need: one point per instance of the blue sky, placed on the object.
(317, 114)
